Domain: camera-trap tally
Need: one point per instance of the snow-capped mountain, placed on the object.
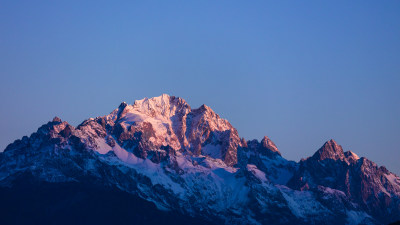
(185, 164)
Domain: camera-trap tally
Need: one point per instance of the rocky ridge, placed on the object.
(193, 162)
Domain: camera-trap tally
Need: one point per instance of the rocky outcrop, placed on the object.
(372, 187)
(330, 150)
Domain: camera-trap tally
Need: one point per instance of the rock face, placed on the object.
(269, 145)
(192, 163)
(373, 188)
(152, 124)
(330, 150)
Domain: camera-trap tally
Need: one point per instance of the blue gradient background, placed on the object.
(301, 72)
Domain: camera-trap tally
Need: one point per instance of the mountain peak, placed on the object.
(266, 142)
(122, 105)
(203, 108)
(151, 123)
(164, 105)
(351, 156)
(331, 142)
(120, 110)
(56, 119)
(330, 150)
(164, 98)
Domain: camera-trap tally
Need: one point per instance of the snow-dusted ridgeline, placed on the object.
(193, 161)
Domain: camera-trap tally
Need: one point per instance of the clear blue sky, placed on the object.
(301, 72)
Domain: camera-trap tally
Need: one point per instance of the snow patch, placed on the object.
(302, 203)
(393, 179)
(102, 146)
(256, 172)
(146, 167)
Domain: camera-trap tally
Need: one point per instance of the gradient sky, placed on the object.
(301, 72)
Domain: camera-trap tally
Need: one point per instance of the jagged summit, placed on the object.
(56, 119)
(162, 104)
(330, 150)
(169, 121)
(122, 105)
(351, 156)
(267, 143)
(204, 107)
